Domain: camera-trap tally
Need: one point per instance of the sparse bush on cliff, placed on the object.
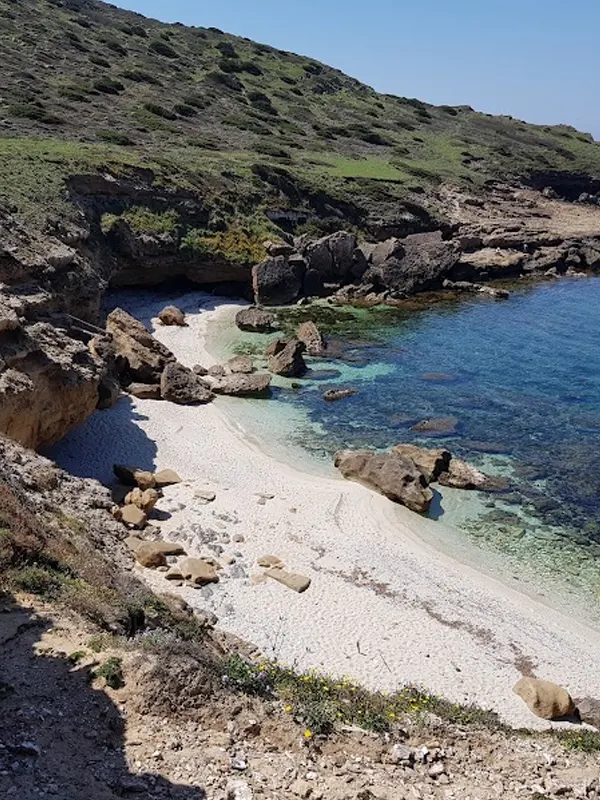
(160, 111)
(237, 245)
(163, 49)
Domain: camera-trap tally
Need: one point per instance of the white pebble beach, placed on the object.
(385, 606)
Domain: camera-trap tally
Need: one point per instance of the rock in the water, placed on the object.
(171, 315)
(166, 477)
(430, 462)
(277, 281)
(178, 384)
(331, 395)
(146, 500)
(437, 426)
(133, 516)
(311, 336)
(298, 583)
(461, 475)
(241, 364)
(255, 319)
(289, 361)
(132, 476)
(391, 474)
(198, 571)
(145, 355)
(243, 385)
(547, 700)
(145, 391)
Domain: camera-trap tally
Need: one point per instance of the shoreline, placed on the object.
(386, 606)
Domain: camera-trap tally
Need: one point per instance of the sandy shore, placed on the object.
(385, 607)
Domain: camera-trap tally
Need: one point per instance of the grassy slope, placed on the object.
(88, 86)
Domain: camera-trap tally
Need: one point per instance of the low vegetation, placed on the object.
(219, 115)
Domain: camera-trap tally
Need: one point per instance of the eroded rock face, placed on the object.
(461, 475)
(289, 360)
(390, 474)
(180, 385)
(432, 463)
(146, 356)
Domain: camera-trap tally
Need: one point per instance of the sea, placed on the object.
(518, 384)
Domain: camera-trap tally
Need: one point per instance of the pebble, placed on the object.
(239, 790)
(239, 764)
(239, 537)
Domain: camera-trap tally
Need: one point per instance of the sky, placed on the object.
(534, 59)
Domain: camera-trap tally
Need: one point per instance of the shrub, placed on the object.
(116, 47)
(229, 65)
(114, 137)
(100, 61)
(139, 76)
(184, 110)
(33, 111)
(251, 68)
(227, 49)
(163, 49)
(263, 103)
(225, 79)
(272, 150)
(76, 93)
(112, 672)
(134, 30)
(144, 220)
(159, 111)
(37, 580)
(236, 245)
(196, 101)
(375, 138)
(108, 85)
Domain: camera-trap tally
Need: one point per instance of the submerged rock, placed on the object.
(255, 319)
(289, 361)
(547, 700)
(178, 384)
(437, 426)
(392, 474)
(241, 364)
(332, 395)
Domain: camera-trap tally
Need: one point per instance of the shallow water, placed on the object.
(520, 377)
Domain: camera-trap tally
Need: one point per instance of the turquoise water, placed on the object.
(520, 377)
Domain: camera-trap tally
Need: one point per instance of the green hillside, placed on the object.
(87, 87)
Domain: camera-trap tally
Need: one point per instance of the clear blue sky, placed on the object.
(535, 59)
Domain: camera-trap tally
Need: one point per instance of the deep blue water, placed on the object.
(522, 379)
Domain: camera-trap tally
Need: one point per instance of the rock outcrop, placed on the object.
(390, 474)
(432, 463)
(171, 315)
(461, 475)
(277, 281)
(145, 356)
(308, 333)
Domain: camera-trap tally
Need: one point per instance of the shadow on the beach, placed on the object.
(146, 304)
(58, 732)
(106, 438)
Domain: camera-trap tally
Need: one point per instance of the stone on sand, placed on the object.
(294, 581)
(133, 516)
(198, 571)
(133, 476)
(171, 315)
(146, 500)
(166, 477)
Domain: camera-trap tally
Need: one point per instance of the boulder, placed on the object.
(166, 477)
(199, 370)
(461, 475)
(242, 364)
(276, 281)
(133, 542)
(314, 286)
(216, 371)
(243, 385)
(437, 426)
(146, 356)
(146, 500)
(269, 561)
(545, 699)
(132, 476)
(133, 516)
(289, 361)
(275, 347)
(298, 583)
(391, 474)
(382, 252)
(333, 257)
(154, 554)
(277, 247)
(332, 395)
(171, 315)
(178, 384)
(9, 321)
(308, 333)
(428, 461)
(198, 571)
(145, 391)
(254, 319)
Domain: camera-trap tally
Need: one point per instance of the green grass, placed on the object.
(112, 672)
(372, 167)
